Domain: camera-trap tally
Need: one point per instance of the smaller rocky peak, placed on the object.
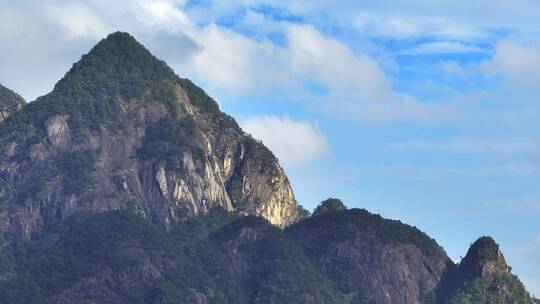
(329, 205)
(484, 259)
(10, 102)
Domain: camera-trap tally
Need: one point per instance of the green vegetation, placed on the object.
(347, 246)
(329, 205)
(117, 67)
(192, 259)
(483, 250)
(353, 222)
(199, 97)
(85, 245)
(77, 169)
(505, 288)
(279, 271)
(9, 100)
(169, 137)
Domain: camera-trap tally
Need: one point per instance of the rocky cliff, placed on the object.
(122, 131)
(483, 277)
(10, 102)
(371, 259)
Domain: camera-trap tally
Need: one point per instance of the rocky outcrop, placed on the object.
(484, 260)
(122, 131)
(371, 259)
(10, 102)
(482, 277)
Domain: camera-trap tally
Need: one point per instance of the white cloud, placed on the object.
(444, 47)
(331, 63)
(162, 14)
(231, 61)
(357, 86)
(77, 19)
(293, 142)
(408, 25)
(226, 60)
(520, 63)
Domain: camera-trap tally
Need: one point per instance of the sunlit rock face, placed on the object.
(122, 131)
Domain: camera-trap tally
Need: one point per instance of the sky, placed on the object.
(424, 111)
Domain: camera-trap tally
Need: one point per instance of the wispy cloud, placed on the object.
(293, 142)
(467, 146)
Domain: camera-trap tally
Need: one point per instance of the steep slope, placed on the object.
(122, 131)
(118, 257)
(10, 102)
(483, 277)
(371, 259)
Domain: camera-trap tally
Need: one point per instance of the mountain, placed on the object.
(10, 102)
(127, 184)
(122, 131)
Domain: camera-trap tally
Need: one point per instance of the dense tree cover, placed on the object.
(116, 68)
(193, 257)
(77, 170)
(169, 137)
(227, 258)
(329, 205)
(346, 223)
(9, 100)
(504, 288)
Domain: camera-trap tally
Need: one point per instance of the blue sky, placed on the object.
(424, 111)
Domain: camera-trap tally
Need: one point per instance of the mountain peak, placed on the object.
(485, 249)
(117, 66)
(122, 131)
(120, 36)
(330, 205)
(483, 259)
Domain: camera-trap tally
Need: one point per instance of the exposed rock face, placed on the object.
(122, 131)
(372, 260)
(482, 277)
(483, 260)
(10, 102)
